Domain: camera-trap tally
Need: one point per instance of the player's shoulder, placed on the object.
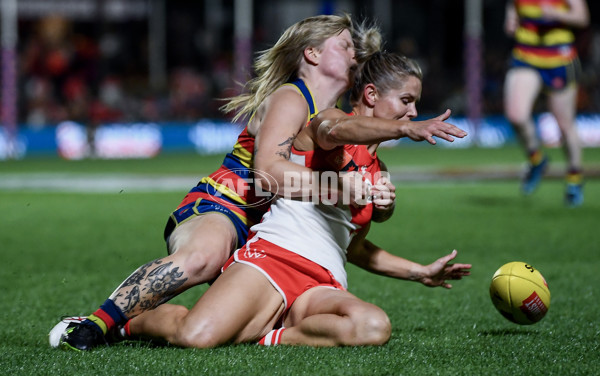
(288, 102)
(288, 94)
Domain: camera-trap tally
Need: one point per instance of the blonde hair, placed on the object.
(367, 41)
(280, 63)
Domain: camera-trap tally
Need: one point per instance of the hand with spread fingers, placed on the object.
(441, 270)
(425, 130)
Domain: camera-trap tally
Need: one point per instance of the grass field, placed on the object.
(64, 253)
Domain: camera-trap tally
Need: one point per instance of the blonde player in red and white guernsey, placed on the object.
(290, 275)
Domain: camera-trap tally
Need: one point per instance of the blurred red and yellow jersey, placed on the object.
(540, 42)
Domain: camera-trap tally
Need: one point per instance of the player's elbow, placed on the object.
(264, 173)
(327, 135)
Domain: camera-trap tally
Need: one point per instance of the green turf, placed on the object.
(64, 253)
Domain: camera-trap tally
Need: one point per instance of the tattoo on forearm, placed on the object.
(149, 288)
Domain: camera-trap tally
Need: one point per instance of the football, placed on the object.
(520, 293)
(59, 329)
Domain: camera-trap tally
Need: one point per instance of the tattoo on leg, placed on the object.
(132, 298)
(148, 289)
(161, 285)
(137, 276)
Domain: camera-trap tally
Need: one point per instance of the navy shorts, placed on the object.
(554, 78)
(202, 206)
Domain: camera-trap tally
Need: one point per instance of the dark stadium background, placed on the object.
(111, 54)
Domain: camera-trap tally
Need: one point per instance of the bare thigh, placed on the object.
(563, 106)
(203, 244)
(325, 300)
(241, 306)
(521, 88)
(329, 317)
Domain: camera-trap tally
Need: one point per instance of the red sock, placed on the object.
(273, 338)
(127, 329)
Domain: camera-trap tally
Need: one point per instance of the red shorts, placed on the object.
(290, 273)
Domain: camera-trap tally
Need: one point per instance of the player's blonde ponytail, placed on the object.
(367, 41)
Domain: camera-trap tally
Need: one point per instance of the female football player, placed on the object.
(287, 284)
(544, 58)
(306, 70)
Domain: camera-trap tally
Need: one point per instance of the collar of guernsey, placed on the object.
(306, 93)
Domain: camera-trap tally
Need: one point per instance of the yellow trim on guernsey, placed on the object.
(535, 11)
(312, 97)
(551, 38)
(244, 156)
(197, 203)
(224, 189)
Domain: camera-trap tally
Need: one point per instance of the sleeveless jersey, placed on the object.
(231, 186)
(321, 232)
(541, 43)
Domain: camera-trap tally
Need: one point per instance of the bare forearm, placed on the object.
(339, 130)
(364, 130)
(378, 261)
(435, 274)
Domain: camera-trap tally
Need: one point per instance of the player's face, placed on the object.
(337, 56)
(400, 103)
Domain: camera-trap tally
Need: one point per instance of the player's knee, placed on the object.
(202, 334)
(373, 327)
(200, 265)
(202, 258)
(516, 116)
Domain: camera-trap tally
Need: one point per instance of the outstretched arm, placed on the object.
(368, 256)
(333, 127)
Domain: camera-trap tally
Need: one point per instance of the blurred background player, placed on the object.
(544, 58)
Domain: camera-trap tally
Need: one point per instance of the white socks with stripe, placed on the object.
(273, 338)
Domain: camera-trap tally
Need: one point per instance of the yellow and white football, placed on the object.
(520, 293)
